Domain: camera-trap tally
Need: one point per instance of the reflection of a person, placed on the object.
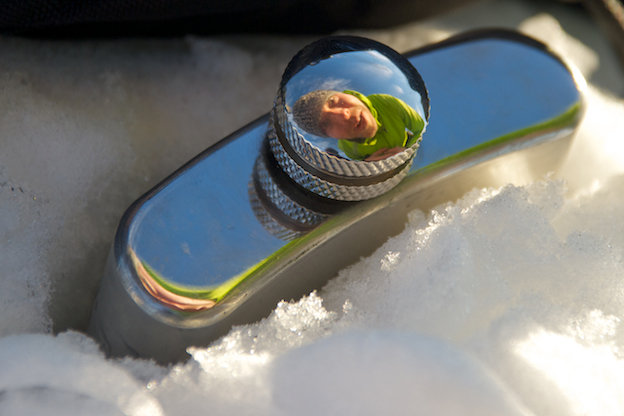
(369, 128)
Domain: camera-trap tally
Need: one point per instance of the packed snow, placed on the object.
(506, 302)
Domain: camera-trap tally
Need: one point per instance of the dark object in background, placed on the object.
(610, 16)
(163, 18)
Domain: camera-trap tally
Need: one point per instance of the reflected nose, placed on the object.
(342, 113)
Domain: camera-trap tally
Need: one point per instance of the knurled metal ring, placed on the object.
(326, 188)
(329, 163)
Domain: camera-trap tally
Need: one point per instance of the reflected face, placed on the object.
(345, 117)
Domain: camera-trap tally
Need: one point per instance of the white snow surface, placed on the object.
(506, 302)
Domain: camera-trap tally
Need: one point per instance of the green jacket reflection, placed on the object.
(398, 125)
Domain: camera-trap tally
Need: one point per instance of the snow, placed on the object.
(66, 375)
(508, 301)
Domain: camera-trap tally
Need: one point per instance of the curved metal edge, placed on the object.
(508, 34)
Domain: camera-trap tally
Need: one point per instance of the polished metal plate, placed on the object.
(193, 256)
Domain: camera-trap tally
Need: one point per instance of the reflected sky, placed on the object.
(200, 231)
(368, 72)
(471, 101)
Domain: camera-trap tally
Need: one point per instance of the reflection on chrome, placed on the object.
(282, 216)
(271, 213)
(368, 128)
(156, 287)
(348, 126)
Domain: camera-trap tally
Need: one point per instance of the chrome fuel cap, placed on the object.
(348, 118)
(230, 234)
